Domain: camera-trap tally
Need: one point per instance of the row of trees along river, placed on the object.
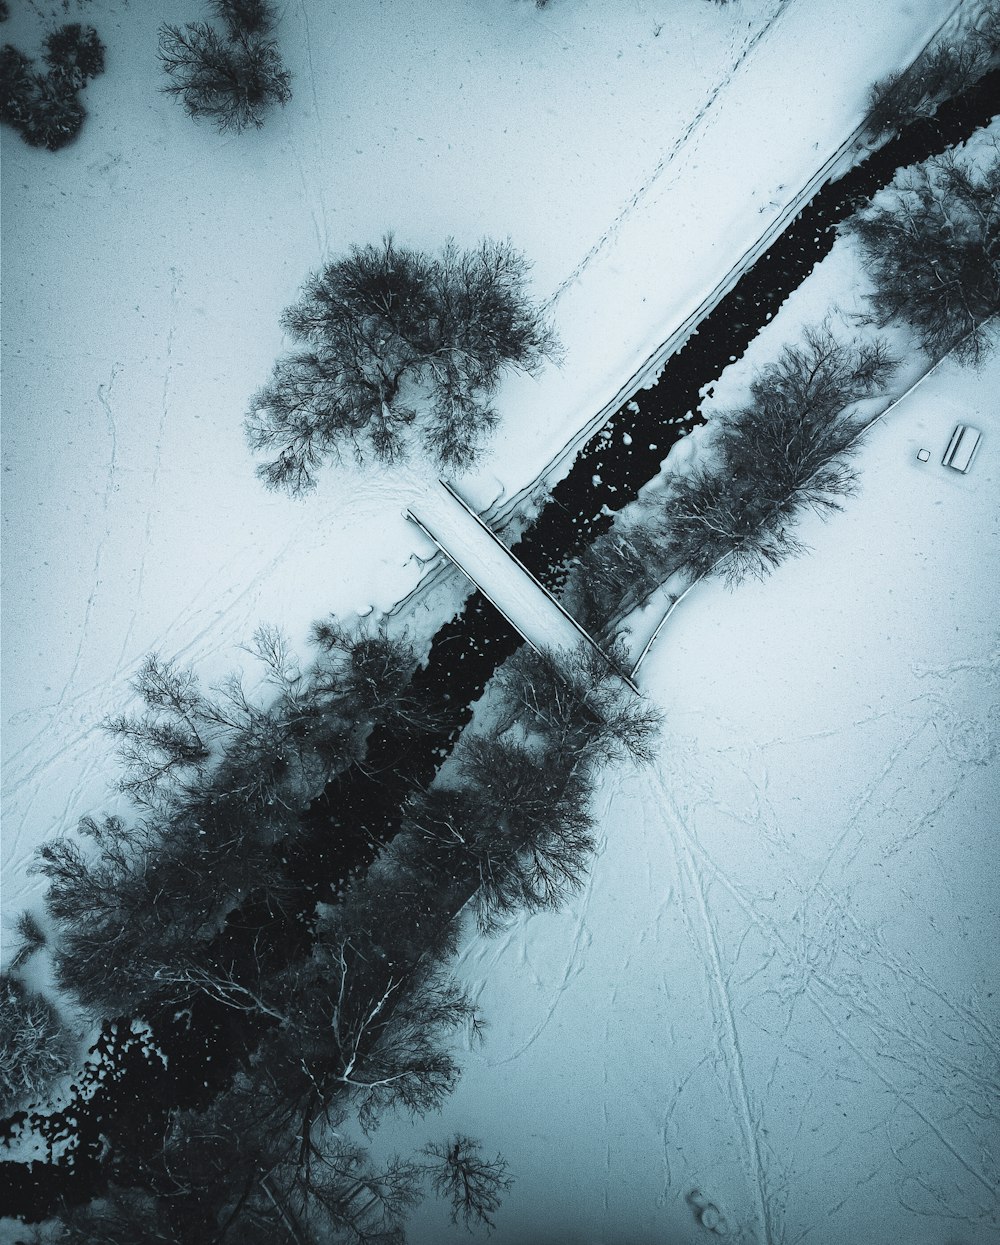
(122, 1098)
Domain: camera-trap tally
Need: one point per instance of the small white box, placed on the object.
(923, 456)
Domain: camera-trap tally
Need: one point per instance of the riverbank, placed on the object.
(132, 519)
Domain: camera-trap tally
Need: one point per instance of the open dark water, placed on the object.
(115, 1120)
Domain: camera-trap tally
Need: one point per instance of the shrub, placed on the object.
(75, 54)
(34, 1046)
(245, 17)
(472, 1183)
(233, 82)
(932, 248)
(44, 108)
(378, 327)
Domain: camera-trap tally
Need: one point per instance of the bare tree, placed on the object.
(785, 451)
(932, 249)
(578, 703)
(617, 571)
(31, 938)
(35, 1047)
(936, 75)
(233, 81)
(534, 839)
(473, 1184)
(43, 108)
(387, 332)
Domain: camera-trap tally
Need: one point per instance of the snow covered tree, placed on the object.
(473, 1184)
(614, 573)
(34, 1046)
(577, 703)
(75, 54)
(233, 81)
(937, 74)
(932, 249)
(245, 17)
(532, 837)
(396, 341)
(783, 452)
(43, 108)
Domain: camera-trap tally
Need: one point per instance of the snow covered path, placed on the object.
(771, 1014)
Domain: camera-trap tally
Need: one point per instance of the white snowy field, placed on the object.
(634, 151)
(771, 1014)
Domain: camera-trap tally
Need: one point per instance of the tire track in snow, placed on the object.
(665, 161)
(741, 1101)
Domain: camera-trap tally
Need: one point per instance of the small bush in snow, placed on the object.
(471, 1182)
(44, 108)
(74, 53)
(396, 342)
(932, 246)
(245, 17)
(232, 81)
(34, 1047)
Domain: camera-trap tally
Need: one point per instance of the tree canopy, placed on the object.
(398, 347)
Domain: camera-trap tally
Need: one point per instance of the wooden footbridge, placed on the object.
(465, 539)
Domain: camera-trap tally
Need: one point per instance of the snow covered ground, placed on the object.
(771, 1015)
(145, 267)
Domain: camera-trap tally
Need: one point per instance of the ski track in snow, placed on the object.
(104, 392)
(680, 149)
(322, 230)
(730, 1065)
(945, 1071)
(154, 478)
